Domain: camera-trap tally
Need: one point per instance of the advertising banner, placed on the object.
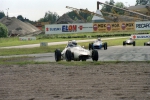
(113, 27)
(127, 26)
(27, 38)
(68, 28)
(142, 36)
(101, 27)
(144, 25)
(106, 27)
(85, 27)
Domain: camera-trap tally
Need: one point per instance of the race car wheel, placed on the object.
(133, 43)
(57, 55)
(105, 46)
(95, 55)
(144, 44)
(124, 43)
(68, 55)
(90, 46)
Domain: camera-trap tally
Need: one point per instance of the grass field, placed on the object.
(14, 41)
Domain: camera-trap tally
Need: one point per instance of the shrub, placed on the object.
(3, 30)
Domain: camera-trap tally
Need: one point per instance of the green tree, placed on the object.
(49, 17)
(111, 9)
(73, 15)
(3, 30)
(20, 18)
(89, 18)
(119, 5)
(107, 8)
(2, 14)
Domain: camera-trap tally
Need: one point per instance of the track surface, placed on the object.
(113, 53)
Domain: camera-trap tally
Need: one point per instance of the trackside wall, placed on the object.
(96, 27)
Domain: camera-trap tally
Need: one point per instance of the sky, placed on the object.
(35, 9)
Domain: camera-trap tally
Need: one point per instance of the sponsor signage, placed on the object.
(53, 29)
(27, 38)
(85, 27)
(144, 25)
(143, 36)
(99, 27)
(68, 28)
(112, 27)
(127, 26)
(115, 27)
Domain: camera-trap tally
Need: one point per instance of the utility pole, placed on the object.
(7, 12)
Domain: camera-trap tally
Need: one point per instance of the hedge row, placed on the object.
(84, 36)
(81, 36)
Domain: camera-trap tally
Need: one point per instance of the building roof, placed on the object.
(97, 17)
(64, 19)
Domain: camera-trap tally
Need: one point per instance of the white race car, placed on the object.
(130, 41)
(75, 52)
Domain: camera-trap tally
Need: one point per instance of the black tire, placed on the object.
(124, 43)
(105, 46)
(133, 43)
(57, 55)
(144, 43)
(90, 46)
(68, 55)
(95, 55)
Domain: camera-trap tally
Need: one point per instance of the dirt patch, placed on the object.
(121, 81)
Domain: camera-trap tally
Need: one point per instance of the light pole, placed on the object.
(127, 4)
(7, 12)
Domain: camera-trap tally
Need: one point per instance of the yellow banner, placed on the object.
(127, 26)
(112, 27)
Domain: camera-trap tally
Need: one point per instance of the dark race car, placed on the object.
(98, 44)
(130, 41)
(147, 43)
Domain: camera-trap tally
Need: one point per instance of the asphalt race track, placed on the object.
(113, 53)
(116, 53)
(127, 53)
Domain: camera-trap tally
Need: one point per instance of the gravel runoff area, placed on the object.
(106, 81)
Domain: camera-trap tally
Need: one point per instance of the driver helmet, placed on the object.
(99, 39)
(130, 38)
(70, 44)
(74, 42)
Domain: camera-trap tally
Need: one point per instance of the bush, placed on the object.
(3, 30)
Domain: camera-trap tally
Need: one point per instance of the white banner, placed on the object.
(85, 27)
(144, 25)
(27, 38)
(142, 36)
(68, 28)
